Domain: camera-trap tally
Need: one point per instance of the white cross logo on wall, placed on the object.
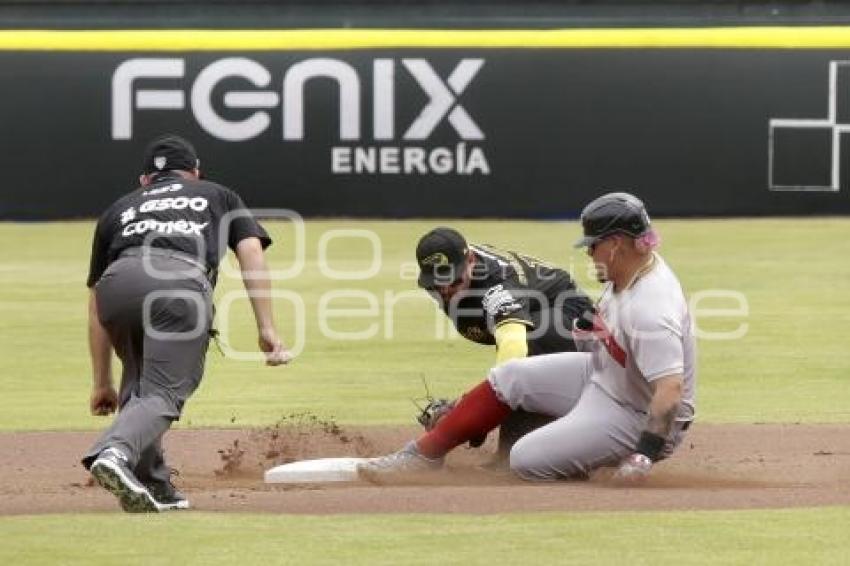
(828, 126)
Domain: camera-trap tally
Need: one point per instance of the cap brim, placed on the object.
(585, 241)
(428, 279)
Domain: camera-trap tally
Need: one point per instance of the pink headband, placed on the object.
(649, 241)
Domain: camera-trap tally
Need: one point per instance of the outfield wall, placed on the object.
(508, 123)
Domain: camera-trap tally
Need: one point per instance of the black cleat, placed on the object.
(112, 473)
(167, 496)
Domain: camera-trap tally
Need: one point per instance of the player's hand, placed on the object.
(271, 345)
(103, 400)
(585, 322)
(633, 469)
(583, 326)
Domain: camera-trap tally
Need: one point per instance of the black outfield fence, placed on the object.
(508, 123)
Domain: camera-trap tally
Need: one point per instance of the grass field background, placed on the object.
(791, 366)
(804, 536)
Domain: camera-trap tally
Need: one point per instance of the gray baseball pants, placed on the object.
(551, 337)
(592, 428)
(158, 313)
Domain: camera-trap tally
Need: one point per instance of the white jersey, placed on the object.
(647, 333)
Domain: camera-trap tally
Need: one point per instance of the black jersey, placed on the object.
(174, 213)
(508, 286)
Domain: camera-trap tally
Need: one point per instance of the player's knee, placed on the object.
(534, 460)
(529, 462)
(164, 404)
(507, 383)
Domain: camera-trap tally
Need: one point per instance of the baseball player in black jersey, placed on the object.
(520, 304)
(153, 268)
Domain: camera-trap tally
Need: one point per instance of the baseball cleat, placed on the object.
(111, 471)
(168, 497)
(408, 460)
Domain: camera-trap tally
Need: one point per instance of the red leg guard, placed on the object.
(477, 413)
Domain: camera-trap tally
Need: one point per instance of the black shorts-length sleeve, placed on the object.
(243, 224)
(99, 259)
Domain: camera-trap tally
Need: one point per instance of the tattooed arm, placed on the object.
(666, 396)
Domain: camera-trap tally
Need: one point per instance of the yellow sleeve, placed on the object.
(510, 341)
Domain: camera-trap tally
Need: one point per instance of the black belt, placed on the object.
(171, 254)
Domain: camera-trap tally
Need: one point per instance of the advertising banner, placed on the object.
(516, 124)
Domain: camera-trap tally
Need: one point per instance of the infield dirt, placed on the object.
(717, 467)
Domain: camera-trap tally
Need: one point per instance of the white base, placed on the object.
(315, 471)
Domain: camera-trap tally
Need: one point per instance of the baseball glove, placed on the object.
(435, 410)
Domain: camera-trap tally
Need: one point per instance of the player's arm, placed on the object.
(663, 407)
(666, 397)
(658, 352)
(655, 339)
(100, 348)
(506, 306)
(104, 399)
(255, 275)
(511, 341)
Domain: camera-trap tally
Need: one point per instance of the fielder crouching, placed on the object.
(155, 255)
(626, 399)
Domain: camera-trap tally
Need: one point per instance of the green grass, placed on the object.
(807, 536)
(792, 365)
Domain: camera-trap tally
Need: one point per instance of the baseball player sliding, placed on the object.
(626, 399)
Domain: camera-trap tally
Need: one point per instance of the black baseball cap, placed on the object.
(441, 255)
(170, 153)
(613, 213)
